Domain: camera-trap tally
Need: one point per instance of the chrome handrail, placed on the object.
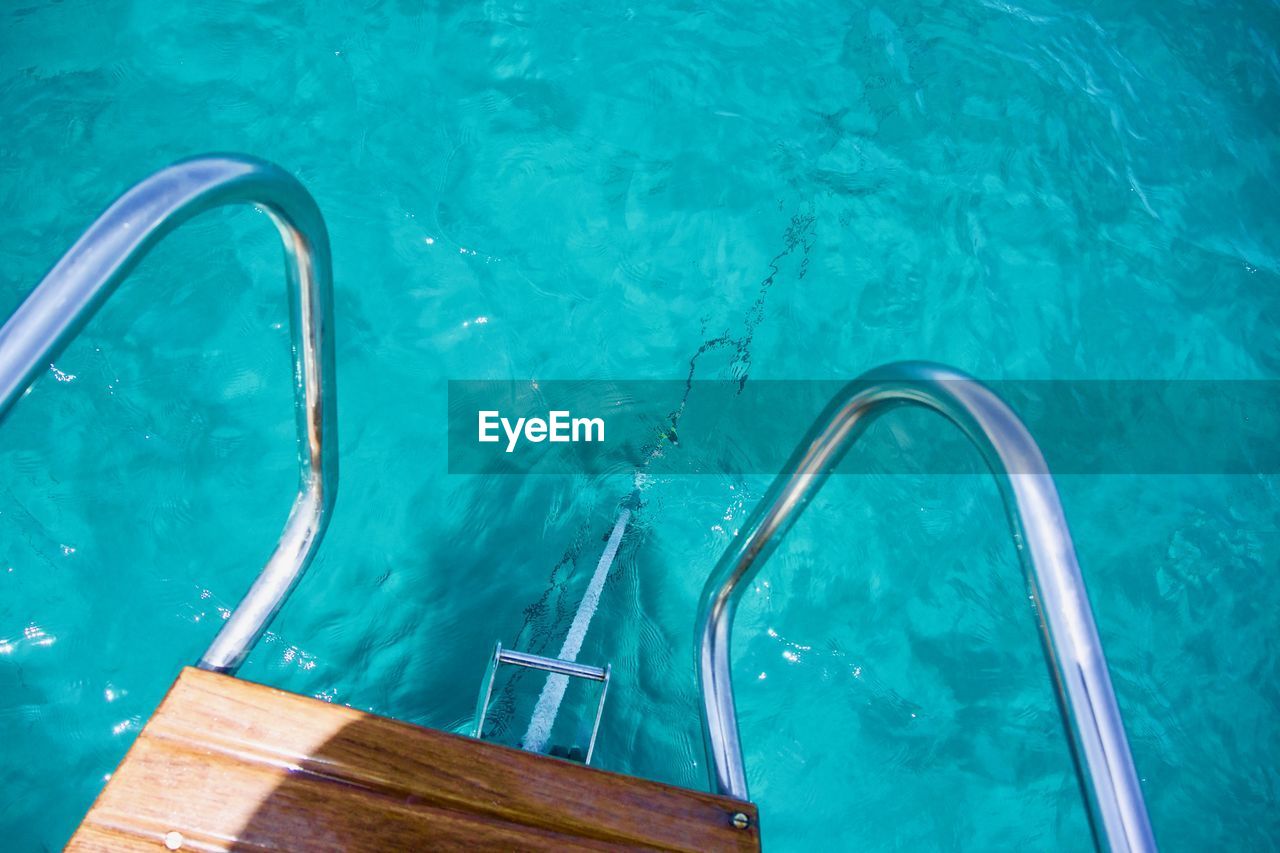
(1086, 699)
(113, 245)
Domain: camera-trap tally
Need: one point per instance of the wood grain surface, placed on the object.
(225, 764)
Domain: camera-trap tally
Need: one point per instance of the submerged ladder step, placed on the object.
(555, 666)
(560, 667)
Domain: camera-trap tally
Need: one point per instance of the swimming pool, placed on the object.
(561, 192)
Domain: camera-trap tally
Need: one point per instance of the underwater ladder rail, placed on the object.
(115, 243)
(1104, 765)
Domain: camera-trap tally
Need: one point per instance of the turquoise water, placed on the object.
(1055, 190)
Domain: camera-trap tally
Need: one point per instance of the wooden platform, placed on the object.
(226, 764)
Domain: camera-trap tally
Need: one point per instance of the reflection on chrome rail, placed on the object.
(90, 271)
(1117, 812)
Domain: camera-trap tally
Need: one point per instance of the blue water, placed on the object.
(563, 190)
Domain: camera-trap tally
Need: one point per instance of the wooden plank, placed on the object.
(229, 764)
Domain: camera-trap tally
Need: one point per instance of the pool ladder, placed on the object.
(89, 272)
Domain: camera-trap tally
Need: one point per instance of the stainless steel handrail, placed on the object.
(1104, 764)
(113, 245)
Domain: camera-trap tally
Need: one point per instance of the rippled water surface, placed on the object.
(571, 190)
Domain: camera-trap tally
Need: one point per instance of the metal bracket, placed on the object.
(552, 665)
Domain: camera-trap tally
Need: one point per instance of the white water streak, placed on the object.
(544, 714)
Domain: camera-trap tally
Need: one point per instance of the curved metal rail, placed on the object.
(1074, 651)
(90, 271)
